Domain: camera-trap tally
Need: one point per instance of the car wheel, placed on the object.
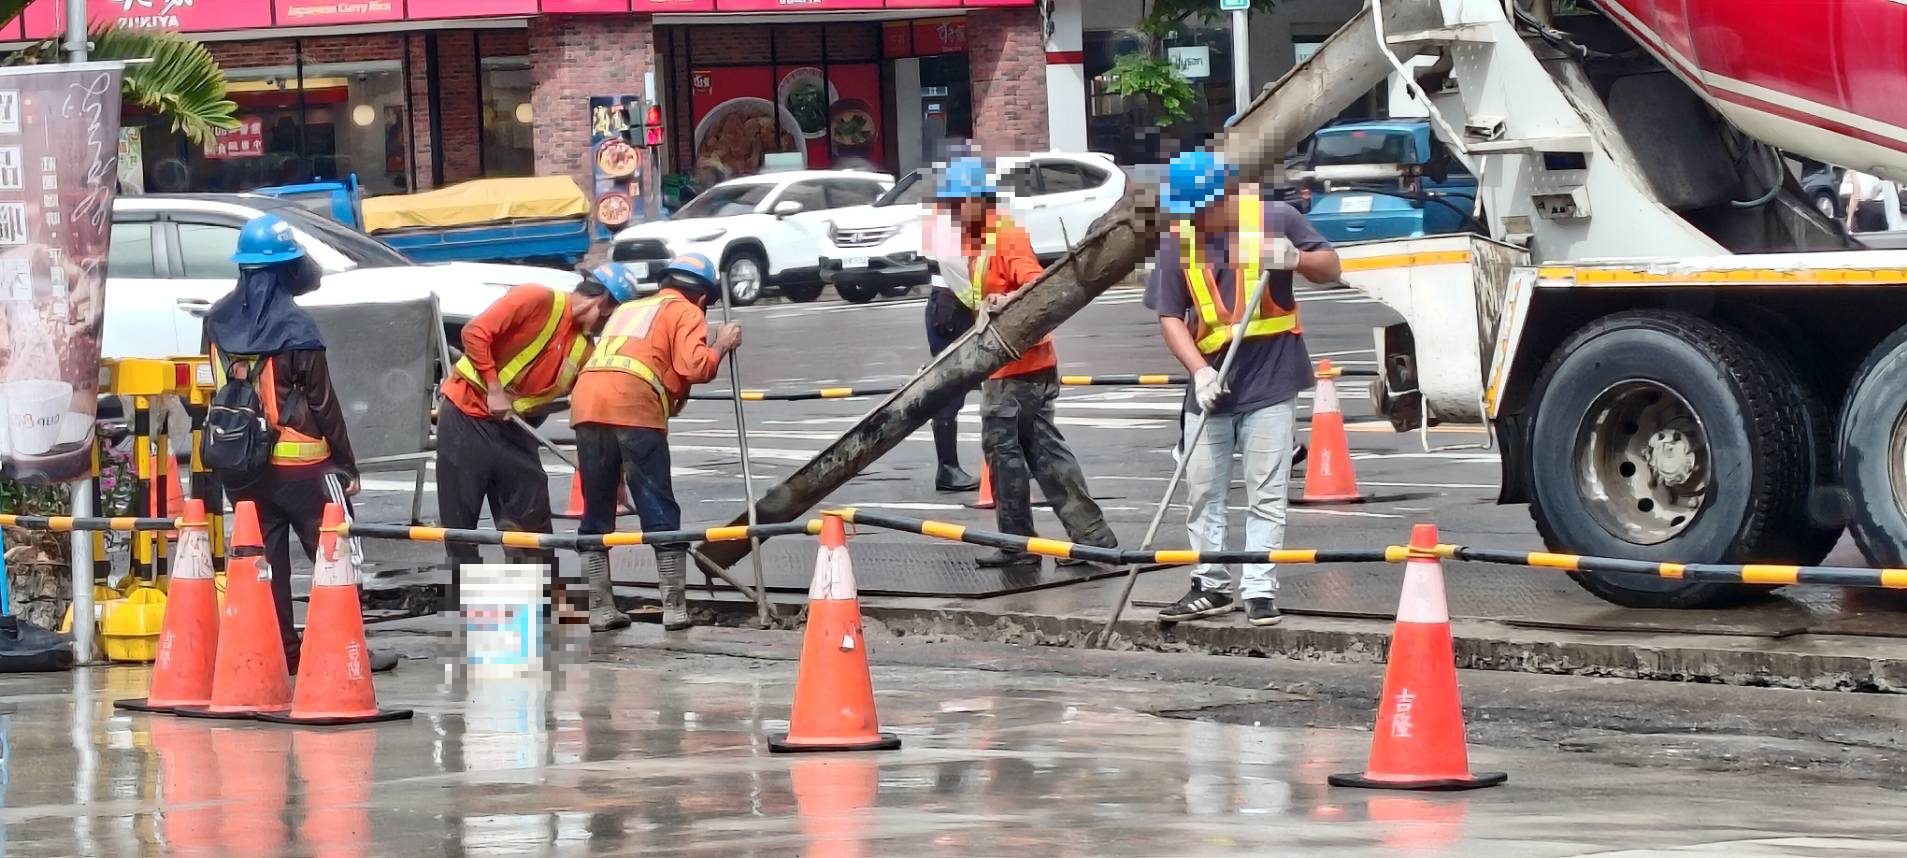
(1824, 203)
(897, 291)
(855, 293)
(743, 275)
(801, 292)
(1664, 437)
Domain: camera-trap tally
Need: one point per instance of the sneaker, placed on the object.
(1262, 612)
(1197, 603)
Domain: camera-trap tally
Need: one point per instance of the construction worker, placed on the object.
(947, 320)
(1224, 238)
(521, 355)
(651, 353)
(1018, 434)
(258, 334)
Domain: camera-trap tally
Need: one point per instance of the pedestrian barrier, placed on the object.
(851, 392)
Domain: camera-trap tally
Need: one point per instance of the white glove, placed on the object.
(1281, 254)
(1206, 388)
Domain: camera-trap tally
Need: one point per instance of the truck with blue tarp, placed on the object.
(535, 220)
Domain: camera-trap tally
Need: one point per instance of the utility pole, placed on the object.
(76, 42)
(1241, 53)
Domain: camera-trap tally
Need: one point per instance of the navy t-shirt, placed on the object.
(1268, 370)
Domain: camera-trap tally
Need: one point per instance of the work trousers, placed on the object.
(1022, 443)
(287, 502)
(947, 320)
(1265, 438)
(611, 455)
(491, 461)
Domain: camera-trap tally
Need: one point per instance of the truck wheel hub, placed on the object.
(1641, 462)
(1671, 456)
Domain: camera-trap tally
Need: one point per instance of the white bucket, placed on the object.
(503, 620)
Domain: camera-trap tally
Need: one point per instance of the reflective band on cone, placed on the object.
(1419, 741)
(188, 642)
(834, 693)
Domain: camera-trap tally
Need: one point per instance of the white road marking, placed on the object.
(753, 452)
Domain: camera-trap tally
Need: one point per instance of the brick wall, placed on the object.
(458, 93)
(573, 57)
(1007, 61)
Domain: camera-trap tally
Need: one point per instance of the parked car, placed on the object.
(762, 231)
(1822, 183)
(875, 249)
(171, 257)
(1436, 203)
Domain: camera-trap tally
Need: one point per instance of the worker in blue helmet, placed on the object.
(261, 340)
(1225, 238)
(949, 312)
(521, 356)
(652, 352)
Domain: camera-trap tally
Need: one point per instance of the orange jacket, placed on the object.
(1010, 266)
(494, 338)
(674, 347)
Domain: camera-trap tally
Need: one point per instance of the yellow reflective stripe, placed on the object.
(754, 395)
(1670, 570)
(1251, 246)
(1894, 578)
(1049, 547)
(1155, 379)
(427, 534)
(565, 378)
(1199, 279)
(527, 355)
(943, 530)
(836, 392)
(1176, 557)
(625, 363)
(1408, 260)
(522, 540)
(1545, 560)
(300, 451)
(734, 533)
(1219, 336)
(1754, 573)
(976, 287)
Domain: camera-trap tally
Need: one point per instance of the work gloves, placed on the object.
(1281, 254)
(1207, 388)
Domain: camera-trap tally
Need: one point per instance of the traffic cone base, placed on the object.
(334, 663)
(188, 641)
(1419, 742)
(834, 692)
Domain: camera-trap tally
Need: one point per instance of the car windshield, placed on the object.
(910, 190)
(363, 250)
(726, 201)
(1364, 147)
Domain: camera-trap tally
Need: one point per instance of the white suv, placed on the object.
(875, 249)
(762, 231)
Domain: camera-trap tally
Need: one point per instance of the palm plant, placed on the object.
(175, 77)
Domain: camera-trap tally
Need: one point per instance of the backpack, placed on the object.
(239, 434)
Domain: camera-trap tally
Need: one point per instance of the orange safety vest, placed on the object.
(626, 340)
(514, 367)
(292, 447)
(1215, 323)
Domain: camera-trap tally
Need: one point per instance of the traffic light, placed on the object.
(652, 127)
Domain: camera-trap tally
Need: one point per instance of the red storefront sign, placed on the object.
(433, 9)
(796, 5)
(654, 7)
(304, 13)
(245, 141)
(943, 36)
(47, 18)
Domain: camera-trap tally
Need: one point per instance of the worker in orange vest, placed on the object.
(1018, 433)
(651, 353)
(1224, 238)
(521, 355)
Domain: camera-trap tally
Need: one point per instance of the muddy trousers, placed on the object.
(1022, 443)
(489, 461)
(947, 321)
(612, 454)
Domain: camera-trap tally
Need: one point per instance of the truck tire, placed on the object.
(1663, 436)
(1873, 452)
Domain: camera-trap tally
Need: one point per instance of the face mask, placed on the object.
(305, 277)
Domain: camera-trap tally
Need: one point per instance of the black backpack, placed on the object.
(238, 435)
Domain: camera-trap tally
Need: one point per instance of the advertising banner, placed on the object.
(59, 144)
(308, 13)
(616, 166)
(245, 141)
(48, 17)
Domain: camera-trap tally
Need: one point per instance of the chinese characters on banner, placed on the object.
(59, 144)
(245, 141)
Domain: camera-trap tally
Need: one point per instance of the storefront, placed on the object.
(414, 95)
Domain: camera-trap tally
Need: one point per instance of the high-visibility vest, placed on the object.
(514, 367)
(989, 246)
(292, 447)
(629, 327)
(1214, 322)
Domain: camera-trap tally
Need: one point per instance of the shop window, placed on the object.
(130, 254)
(205, 251)
(509, 129)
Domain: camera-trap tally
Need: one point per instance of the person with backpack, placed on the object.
(275, 434)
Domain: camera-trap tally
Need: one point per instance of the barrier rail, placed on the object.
(1115, 380)
(69, 524)
(575, 542)
(1762, 574)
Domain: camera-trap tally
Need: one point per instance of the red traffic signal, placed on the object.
(652, 127)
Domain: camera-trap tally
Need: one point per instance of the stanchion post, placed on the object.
(748, 472)
(80, 564)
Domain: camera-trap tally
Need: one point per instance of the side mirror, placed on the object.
(786, 208)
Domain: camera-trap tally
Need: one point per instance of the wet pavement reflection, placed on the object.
(670, 759)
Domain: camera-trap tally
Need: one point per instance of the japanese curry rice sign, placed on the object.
(59, 141)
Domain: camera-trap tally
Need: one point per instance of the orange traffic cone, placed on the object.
(334, 664)
(1419, 743)
(188, 785)
(336, 767)
(1328, 476)
(834, 694)
(188, 642)
(627, 506)
(832, 797)
(250, 676)
(985, 501)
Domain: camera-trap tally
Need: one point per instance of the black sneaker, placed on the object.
(1262, 612)
(1197, 603)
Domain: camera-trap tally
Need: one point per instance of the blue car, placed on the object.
(1407, 208)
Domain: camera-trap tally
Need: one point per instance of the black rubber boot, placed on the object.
(949, 477)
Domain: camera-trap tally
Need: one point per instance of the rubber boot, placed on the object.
(672, 578)
(603, 615)
(949, 477)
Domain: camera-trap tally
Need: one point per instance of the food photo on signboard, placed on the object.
(825, 116)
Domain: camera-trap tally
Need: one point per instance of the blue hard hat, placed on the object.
(698, 270)
(620, 280)
(964, 178)
(266, 240)
(1193, 180)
